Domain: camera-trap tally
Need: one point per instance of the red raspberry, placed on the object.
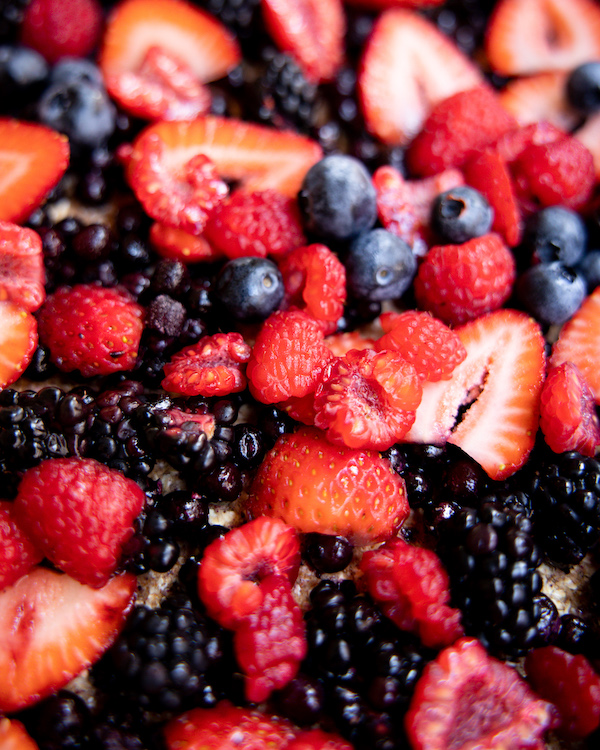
(270, 642)
(431, 347)
(367, 399)
(301, 409)
(288, 357)
(256, 224)
(176, 244)
(458, 283)
(212, 367)
(510, 145)
(568, 416)
(18, 554)
(91, 329)
(22, 273)
(79, 513)
(412, 588)
(317, 739)
(60, 28)
(571, 684)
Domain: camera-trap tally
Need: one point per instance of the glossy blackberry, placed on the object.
(61, 722)
(243, 17)
(287, 98)
(327, 553)
(578, 636)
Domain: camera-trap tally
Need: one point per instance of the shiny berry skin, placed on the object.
(328, 553)
(555, 233)
(551, 292)
(589, 269)
(583, 87)
(249, 289)
(460, 214)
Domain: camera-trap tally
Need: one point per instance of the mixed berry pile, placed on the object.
(299, 347)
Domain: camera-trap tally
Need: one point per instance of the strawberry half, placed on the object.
(33, 158)
(22, 272)
(18, 340)
(540, 97)
(17, 552)
(406, 68)
(13, 736)
(54, 628)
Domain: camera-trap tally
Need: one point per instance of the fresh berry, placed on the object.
(317, 739)
(551, 292)
(18, 341)
(351, 492)
(22, 273)
(91, 329)
(67, 628)
(457, 283)
(379, 266)
(589, 269)
(97, 507)
(407, 67)
(461, 214)
(583, 88)
(341, 343)
(18, 554)
(568, 416)
(287, 97)
(588, 135)
(175, 244)
(13, 736)
(249, 289)
(326, 553)
(571, 684)
(212, 367)
(540, 97)
(466, 697)
(255, 223)
(555, 233)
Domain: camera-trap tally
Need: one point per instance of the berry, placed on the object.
(540, 97)
(286, 95)
(249, 289)
(461, 214)
(18, 554)
(18, 341)
(97, 507)
(13, 735)
(317, 739)
(175, 244)
(326, 553)
(555, 233)
(367, 508)
(21, 266)
(583, 87)
(551, 292)
(589, 269)
(23, 74)
(379, 266)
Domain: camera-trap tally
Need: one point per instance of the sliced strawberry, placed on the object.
(17, 552)
(176, 244)
(53, 628)
(312, 31)
(22, 274)
(589, 135)
(502, 378)
(18, 340)
(407, 67)
(157, 54)
(540, 97)
(13, 736)
(533, 36)
(33, 158)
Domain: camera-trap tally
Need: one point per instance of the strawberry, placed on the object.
(33, 158)
(53, 628)
(233, 567)
(407, 67)
(505, 369)
(18, 554)
(18, 341)
(96, 507)
(534, 36)
(467, 699)
(212, 367)
(22, 272)
(312, 31)
(381, 4)
(540, 97)
(157, 54)
(578, 342)
(176, 244)
(316, 486)
(90, 328)
(317, 739)
(13, 736)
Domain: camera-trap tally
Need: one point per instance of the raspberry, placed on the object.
(212, 367)
(176, 244)
(367, 399)
(91, 329)
(458, 283)
(412, 588)
(341, 343)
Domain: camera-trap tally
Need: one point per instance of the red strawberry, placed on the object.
(412, 588)
(270, 642)
(579, 343)
(455, 128)
(316, 486)
(22, 272)
(534, 36)
(540, 97)
(233, 567)
(505, 369)
(53, 628)
(18, 341)
(176, 244)
(312, 31)
(96, 507)
(32, 161)
(317, 739)
(90, 328)
(62, 28)
(18, 554)
(407, 67)
(467, 699)
(212, 367)
(157, 54)
(568, 416)
(13, 736)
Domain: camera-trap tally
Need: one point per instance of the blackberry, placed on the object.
(243, 17)
(287, 98)
(464, 21)
(61, 722)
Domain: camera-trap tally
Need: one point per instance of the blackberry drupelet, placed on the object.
(243, 17)
(61, 722)
(287, 98)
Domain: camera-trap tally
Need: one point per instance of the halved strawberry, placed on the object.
(533, 36)
(173, 243)
(22, 274)
(17, 552)
(540, 97)
(54, 628)
(311, 30)
(157, 54)
(33, 158)
(501, 378)
(407, 67)
(13, 736)
(18, 340)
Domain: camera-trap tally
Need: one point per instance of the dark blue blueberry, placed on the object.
(460, 214)
(555, 233)
(23, 74)
(583, 87)
(589, 268)
(249, 289)
(379, 266)
(76, 70)
(337, 198)
(551, 292)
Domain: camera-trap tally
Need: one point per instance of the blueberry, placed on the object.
(589, 268)
(583, 87)
(249, 289)
(551, 292)
(337, 198)
(555, 233)
(76, 70)
(379, 266)
(461, 214)
(23, 74)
